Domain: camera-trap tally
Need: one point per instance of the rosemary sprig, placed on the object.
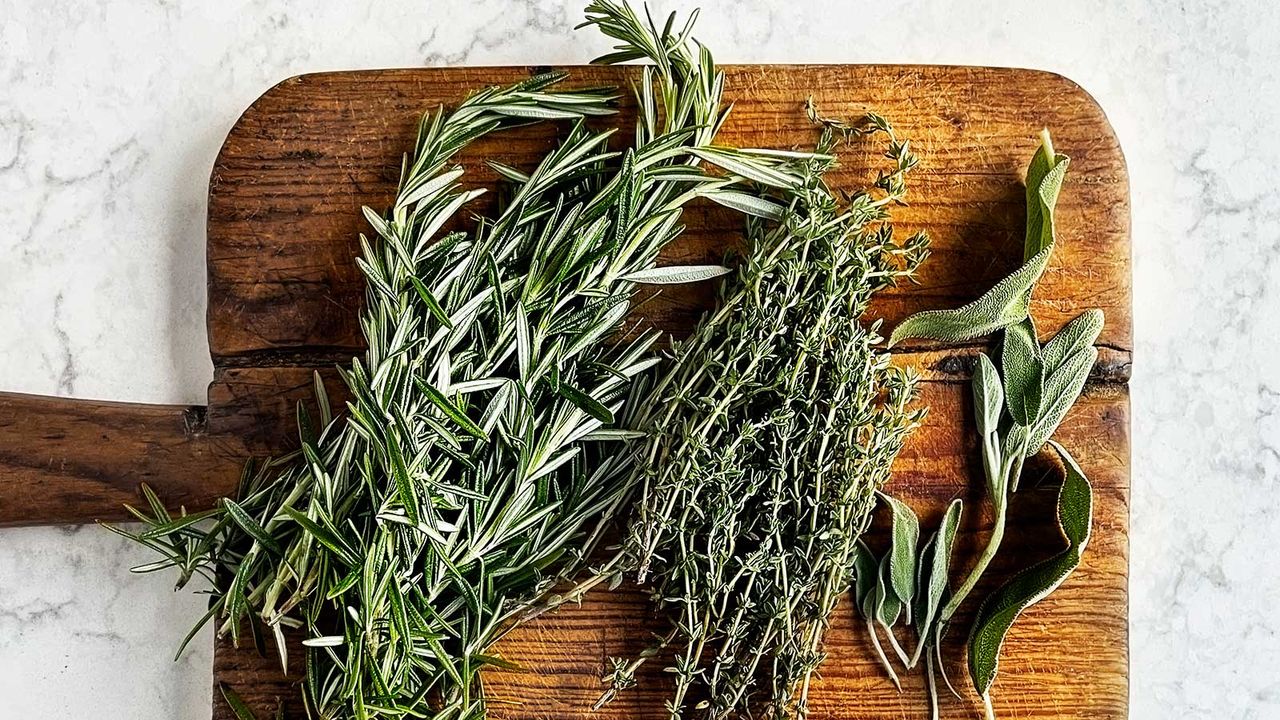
(476, 463)
(776, 425)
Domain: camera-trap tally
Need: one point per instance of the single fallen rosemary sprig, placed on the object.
(1017, 409)
(774, 427)
(477, 461)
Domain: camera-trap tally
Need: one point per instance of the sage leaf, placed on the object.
(988, 396)
(1044, 181)
(1061, 390)
(935, 569)
(1023, 372)
(888, 608)
(905, 535)
(999, 611)
(868, 587)
(1005, 304)
(865, 572)
(677, 274)
(1080, 333)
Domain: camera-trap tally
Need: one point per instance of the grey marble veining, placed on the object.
(111, 114)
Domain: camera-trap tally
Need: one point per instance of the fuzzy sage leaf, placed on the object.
(1005, 304)
(998, 613)
(1080, 333)
(1044, 182)
(988, 396)
(935, 571)
(1023, 372)
(904, 536)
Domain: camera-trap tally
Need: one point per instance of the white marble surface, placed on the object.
(111, 114)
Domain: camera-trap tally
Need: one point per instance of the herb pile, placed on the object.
(497, 429)
(1017, 409)
(771, 433)
(476, 463)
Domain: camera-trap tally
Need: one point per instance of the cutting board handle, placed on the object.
(65, 461)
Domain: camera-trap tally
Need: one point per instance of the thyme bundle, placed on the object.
(774, 428)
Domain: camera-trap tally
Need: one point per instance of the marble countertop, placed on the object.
(111, 114)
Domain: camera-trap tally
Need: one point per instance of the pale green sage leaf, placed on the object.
(1005, 304)
(1023, 372)
(998, 613)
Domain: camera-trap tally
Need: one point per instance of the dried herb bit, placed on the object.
(775, 427)
(476, 464)
(999, 611)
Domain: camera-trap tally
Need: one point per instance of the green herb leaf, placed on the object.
(453, 412)
(433, 306)
(753, 205)
(935, 567)
(1060, 392)
(905, 534)
(1044, 181)
(1023, 372)
(677, 274)
(1080, 333)
(252, 527)
(988, 395)
(999, 611)
(586, 403)
(866, 573)
(1004, 305)
(237, 705)
(324, 535)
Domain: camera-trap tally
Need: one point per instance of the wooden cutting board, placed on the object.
(284, 293)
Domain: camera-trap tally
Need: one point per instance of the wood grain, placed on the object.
(59, 457)
(284, 294)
